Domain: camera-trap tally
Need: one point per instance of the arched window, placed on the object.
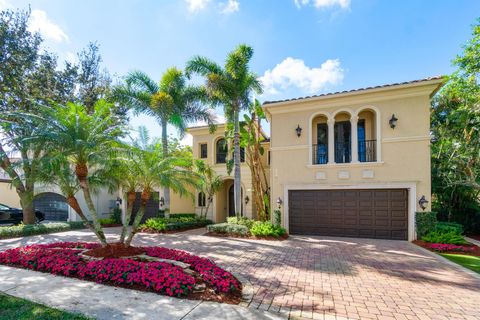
(221, 150)
(201, 199)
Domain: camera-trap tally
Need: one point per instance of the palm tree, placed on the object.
(172, 101)
(232, 87)
(151, 170)
(210, 183)
(88, 141)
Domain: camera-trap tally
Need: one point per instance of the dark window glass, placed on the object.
(242, 154)
(203, 151)
(201, 199)
(222, 150)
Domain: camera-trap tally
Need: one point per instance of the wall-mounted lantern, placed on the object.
(247, 199)
(423, 203)
(162, 201)
(118, 202)
(279, 202)
(393, 121)
(299, 131)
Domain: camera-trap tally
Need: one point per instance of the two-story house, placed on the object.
(353, 163)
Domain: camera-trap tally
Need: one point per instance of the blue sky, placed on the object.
(302, 47)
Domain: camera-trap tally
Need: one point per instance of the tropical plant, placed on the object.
(455, 119)
(231, 87)
(88, 140)
(144, 167)
(210, 183)
(252, 139)
(172, 101)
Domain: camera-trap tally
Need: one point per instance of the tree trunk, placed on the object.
(208, 206)
(73, 203)
(166, 190)
(81, 171)
(143, 203)
(26, 201)
(131, 195)
(237, 186)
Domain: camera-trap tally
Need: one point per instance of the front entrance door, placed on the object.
(231, 201)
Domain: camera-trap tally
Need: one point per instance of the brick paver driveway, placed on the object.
(330, 278)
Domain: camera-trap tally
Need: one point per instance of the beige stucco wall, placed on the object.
(8, 195)
(404, 151)
(181, 204)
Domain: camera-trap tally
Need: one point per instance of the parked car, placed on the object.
(15, 215)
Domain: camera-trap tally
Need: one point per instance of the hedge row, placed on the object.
(34, 229)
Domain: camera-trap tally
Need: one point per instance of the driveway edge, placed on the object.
(451, 263)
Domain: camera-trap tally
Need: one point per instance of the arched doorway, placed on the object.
(231, 201)
(53, 205)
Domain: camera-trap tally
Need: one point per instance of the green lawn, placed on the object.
(470, 262)
(20, 309)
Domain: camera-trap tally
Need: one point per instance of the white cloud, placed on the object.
(229, 7)
(196, 5)
(344, 4)
(40, 22)
(294, 73)
(4, 5)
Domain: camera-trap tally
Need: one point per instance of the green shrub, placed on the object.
(243, 221)
(116, 216)
(229, 228)
(106, 221)
(425, 223)
(452, 237)
(277, 216)
(267, 229)
(183, 215)
(22, 230)
(166, 224)
(446, 227)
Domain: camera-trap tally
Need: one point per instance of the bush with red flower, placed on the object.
(161, 277)
(443, 247)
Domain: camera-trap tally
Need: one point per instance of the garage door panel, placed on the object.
(377, 213)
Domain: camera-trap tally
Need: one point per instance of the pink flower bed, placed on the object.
(161, 277)
(442, 247)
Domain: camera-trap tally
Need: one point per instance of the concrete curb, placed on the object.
(451, 263)
(247, 289)
(476, 242)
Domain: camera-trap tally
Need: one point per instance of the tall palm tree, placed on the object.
(171, 101)
(88, 141)
(231, 86)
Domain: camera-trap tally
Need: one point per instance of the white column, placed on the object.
(331, 141)
(354, 135)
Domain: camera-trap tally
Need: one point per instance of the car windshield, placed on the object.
(4, 207)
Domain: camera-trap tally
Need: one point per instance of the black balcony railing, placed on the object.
(367, 150)
(343, 153)
(319, 154)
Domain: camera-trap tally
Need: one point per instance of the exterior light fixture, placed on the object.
(279, 202)
(247, 199)
(118, 202)
(423, 203)
(393, 121)
(162, 201)
(299, 131)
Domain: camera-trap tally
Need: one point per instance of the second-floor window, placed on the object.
(203, 151)
(221, 151)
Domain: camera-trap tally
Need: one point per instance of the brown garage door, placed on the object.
(377, 213)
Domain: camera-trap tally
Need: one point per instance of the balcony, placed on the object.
(367, 152)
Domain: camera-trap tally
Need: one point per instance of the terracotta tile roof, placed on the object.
(357, 90)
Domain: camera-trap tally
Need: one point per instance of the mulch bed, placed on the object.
(111, 225)
(475, 237)
(473, 250)
(114, 250)
(236, 235)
